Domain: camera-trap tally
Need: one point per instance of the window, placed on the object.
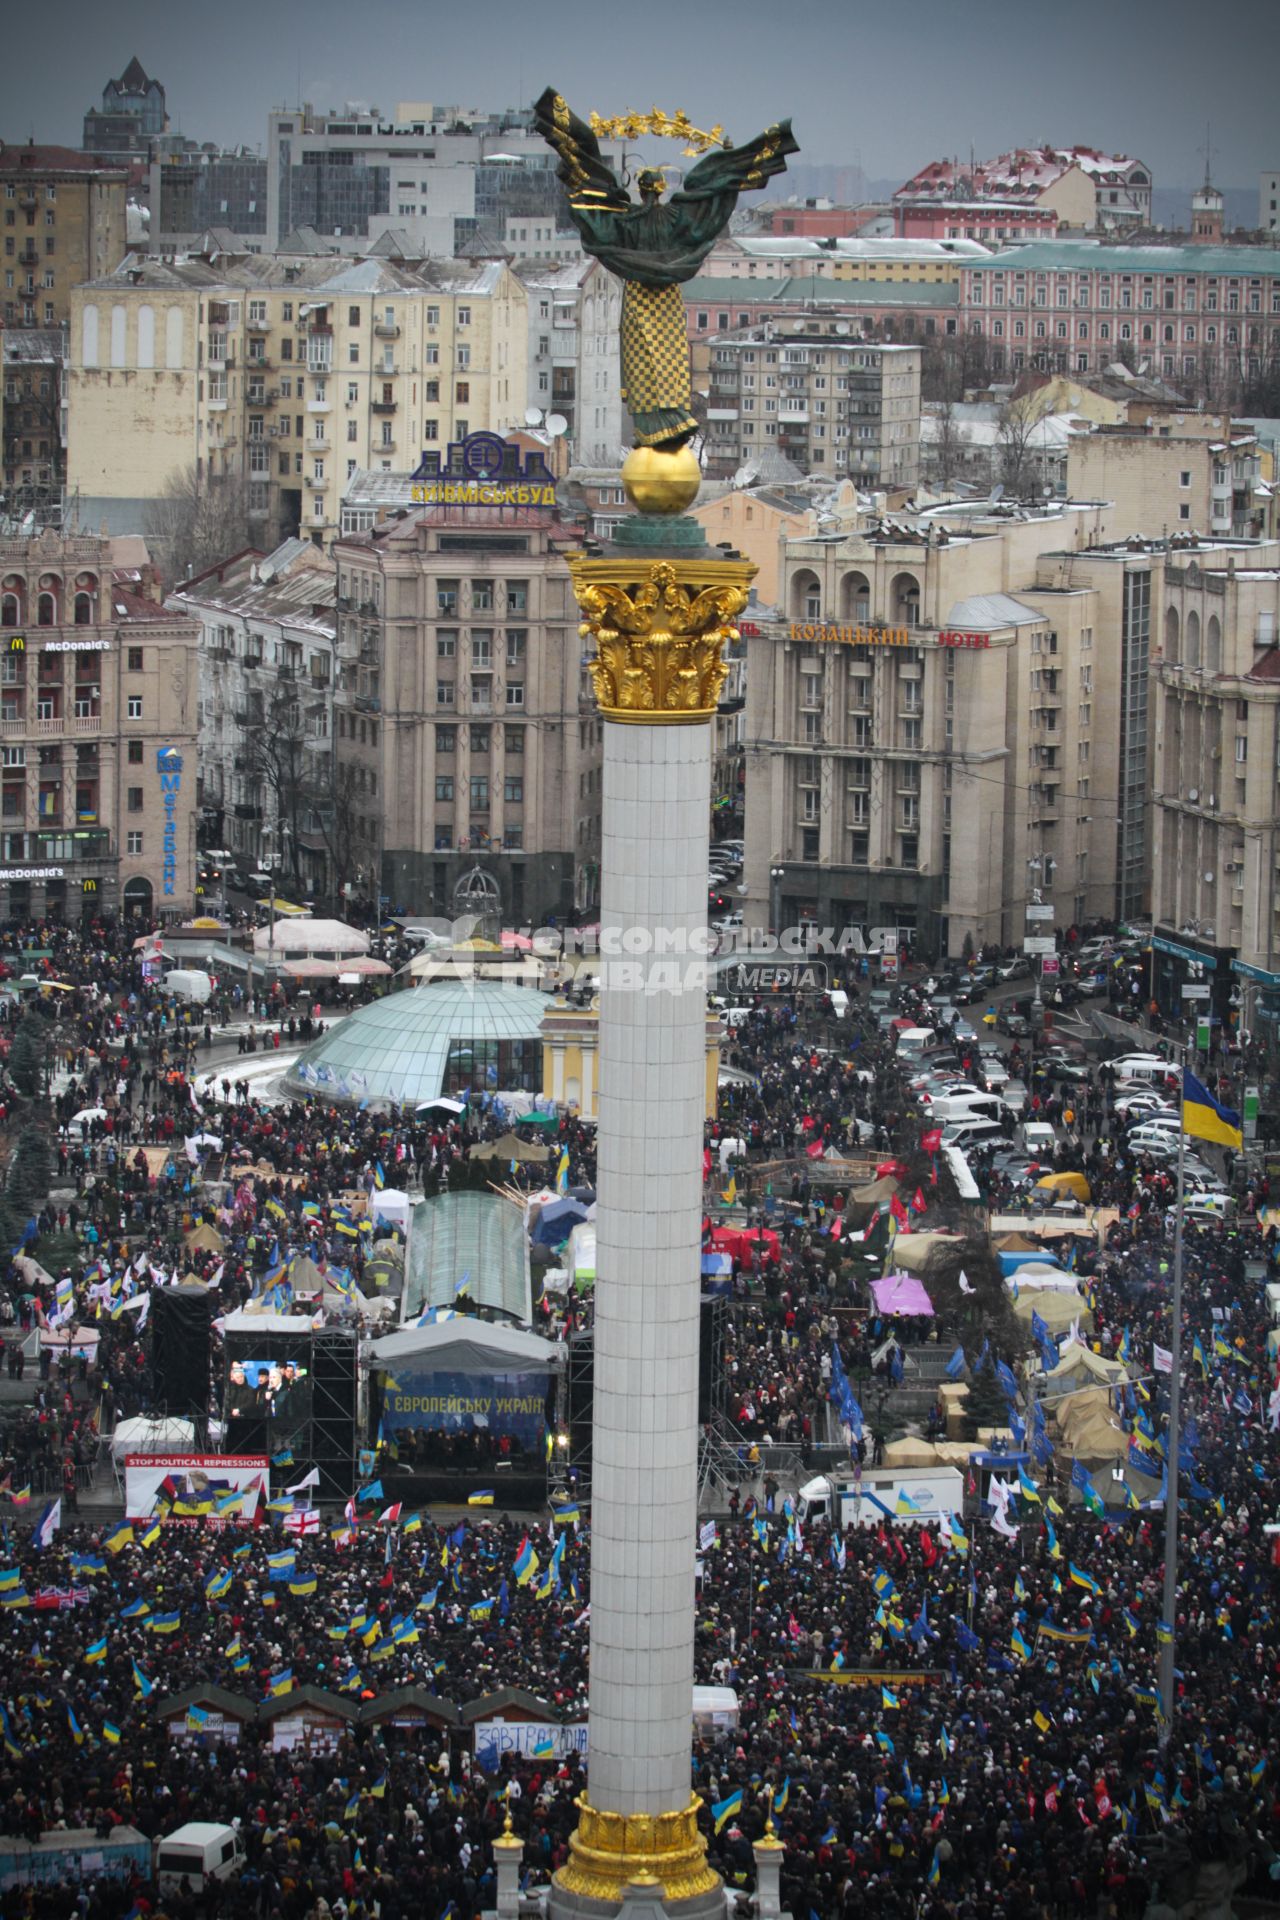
(135, 706)
(517, 596)
(446, 739)
(353, 429)
(464, 316)
(515, 693)
(463, 393)
(481, 647)
(134, 661)
(444, 786)
(135, 799)
(133, 841)
(135, 753)
(446, 643)
(463, 358)
(479, 793)
(515, 739)
(446, 596)
(513, 790)
(444, 693)
(479, 739)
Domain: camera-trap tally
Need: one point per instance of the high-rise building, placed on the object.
(98, 732)
(33, 410)
(268, 683)
(465, 733)
(273, 379)
(829, 403)
(132, 116)
(435, 176)
(64, 223)
(1215, 775)
(943, 701)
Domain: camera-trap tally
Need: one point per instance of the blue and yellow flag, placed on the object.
(1204, 1119)
(111, 1733)
(482, 1499)
(98, 1651)
(723, 1810)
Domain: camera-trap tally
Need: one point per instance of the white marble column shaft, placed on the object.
(656, 801)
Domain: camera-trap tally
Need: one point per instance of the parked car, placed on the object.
(1015, 969)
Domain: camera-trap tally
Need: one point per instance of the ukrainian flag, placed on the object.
(304, 1587)
(120, 1539)
(723, 1810)
(10, 1579)
(1204, 1119)
(111, 1733)
(98, 1651)
(165, 1622)
(281, 1683)
(888, 1698)
(782, 1796)
(140, 1680)
(544, 1747)
(1081, 1579)
(482, 1499)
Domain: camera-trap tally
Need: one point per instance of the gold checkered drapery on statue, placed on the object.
(656, 387)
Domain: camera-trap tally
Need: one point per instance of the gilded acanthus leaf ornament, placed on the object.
(659, 644)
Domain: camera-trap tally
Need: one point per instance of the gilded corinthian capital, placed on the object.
(659, 638)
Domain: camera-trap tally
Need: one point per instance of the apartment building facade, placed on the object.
(33, 423)
(268, 683)
(1216, 784)
(282, 377)
(471, 739)
(64, 222)
(917, 723)
(1207, 317)
(1182, 473)
(98, 737)
(1085, 188)
(829, 403)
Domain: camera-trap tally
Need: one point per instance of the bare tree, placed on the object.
(1015, 456)
(948, 448)
(193, 523)
(338, 819)
(282, 755)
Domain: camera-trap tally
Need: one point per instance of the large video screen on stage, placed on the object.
(509, 1406)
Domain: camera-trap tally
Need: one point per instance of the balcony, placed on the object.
(87, 723)
(320, 444)
(319, 406)
(794, 411)
(29, 257)
(385, 330)
(317, 486)
(257, 326)
(258, 363)
(13, 729)
(51, 728)
(384, 406)
(320, 363)
(384, 446)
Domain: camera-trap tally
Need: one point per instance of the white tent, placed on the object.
(141, 1435)
(391, 1205)
(305, 935)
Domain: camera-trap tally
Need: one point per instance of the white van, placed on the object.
(839, 1003)
(1038, 1137)
(1151, 1068)
(912, 1041)
(971, 1133)
(201, 1851)
(945, 1107)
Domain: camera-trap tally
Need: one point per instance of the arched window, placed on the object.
(806, 596)
(119, 326)
(86, 598)
(1213, 645)
(1192, 653)
(146, 336)
(89, 337)
(173, 338)
(13, 594)
(904, 600)
(855, 598)
(1172, 632)
(48, 609)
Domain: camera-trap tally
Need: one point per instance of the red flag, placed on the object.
(898, 1211)
(1051, 1800)
(890, 1170)
(927, 1548)
(931, 1141)
(919, 1203)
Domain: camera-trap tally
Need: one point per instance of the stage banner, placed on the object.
(192, 1485)
(504, 1403)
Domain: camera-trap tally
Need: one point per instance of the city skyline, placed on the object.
(1014, 82)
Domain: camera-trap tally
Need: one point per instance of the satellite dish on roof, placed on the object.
(842, 326)
(557, 424)
(997, 493)
(533, 416)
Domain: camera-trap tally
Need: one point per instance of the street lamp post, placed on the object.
(1041, 868)
(776, 877)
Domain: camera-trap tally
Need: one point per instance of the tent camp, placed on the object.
(1057, 1310)
(1088, 1429)
(913, 1251)
(1079, 1366)
(511, 1147)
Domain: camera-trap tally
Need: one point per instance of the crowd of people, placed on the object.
(959, 1721)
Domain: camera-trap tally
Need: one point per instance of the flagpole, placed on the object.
(1169, 1651)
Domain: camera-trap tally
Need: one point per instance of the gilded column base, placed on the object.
(659, 628)
(611, 1850)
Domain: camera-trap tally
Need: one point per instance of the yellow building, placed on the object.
(570, 1044)
(281, 378)
(64, 222)
(752, 520)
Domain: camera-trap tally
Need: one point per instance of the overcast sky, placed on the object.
(885, 86)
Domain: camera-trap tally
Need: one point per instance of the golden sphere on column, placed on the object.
(661, 479)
